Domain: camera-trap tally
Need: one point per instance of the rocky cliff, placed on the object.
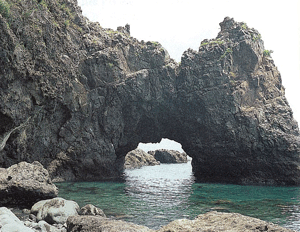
(77, 97)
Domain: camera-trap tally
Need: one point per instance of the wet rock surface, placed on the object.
(77, 98)
(24, 184)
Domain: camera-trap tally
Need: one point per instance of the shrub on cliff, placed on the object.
(267, 52)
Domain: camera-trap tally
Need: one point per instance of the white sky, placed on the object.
(182, 24)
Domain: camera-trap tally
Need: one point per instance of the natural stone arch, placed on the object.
(93, 97)
(226, 106)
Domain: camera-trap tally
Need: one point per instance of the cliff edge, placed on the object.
(77, 97)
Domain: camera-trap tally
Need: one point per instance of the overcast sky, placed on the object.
(182, 24)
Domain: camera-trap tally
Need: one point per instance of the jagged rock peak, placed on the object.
(227, 24)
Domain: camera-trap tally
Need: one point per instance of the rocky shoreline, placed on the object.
(55, 214)
(60, 215)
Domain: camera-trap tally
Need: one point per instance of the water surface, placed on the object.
(153, 196)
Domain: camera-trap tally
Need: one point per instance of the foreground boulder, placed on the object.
(218, 221)
(54, 211)
(24, 184)
(10, 223)
(169, 156)
(98, 224)
(139, 158)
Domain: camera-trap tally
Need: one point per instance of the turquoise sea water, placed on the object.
(153, 196)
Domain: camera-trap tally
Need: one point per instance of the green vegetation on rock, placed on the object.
(228, 51)
(267, 52)
(155, 43)
(218, 41)
(4, 9)
(244, 26)
(256, 37)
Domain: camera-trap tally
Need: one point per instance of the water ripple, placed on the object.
(153, 196)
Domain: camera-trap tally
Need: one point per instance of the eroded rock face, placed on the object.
(24, 184)
(139, 158)
(77, 98)
(169, 156)
(243, 129)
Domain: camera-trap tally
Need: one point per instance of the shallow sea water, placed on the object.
(156, 195)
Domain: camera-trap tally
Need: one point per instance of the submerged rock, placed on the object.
(169, 156)
(94, 223)
(139, 158)
(24, 184)
(77, 98)
(227, 222)
(54, 211)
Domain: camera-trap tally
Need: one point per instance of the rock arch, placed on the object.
(225, 104)
(94, 96)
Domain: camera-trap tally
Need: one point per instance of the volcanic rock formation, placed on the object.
(139, 158)
(77, 97)
(169, 156)
(24, 184)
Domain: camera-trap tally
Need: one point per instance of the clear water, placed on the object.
(153, 196)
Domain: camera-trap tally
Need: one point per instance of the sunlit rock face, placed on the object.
(77, 98)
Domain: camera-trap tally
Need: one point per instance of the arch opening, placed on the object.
(149, 154)
(163, 144)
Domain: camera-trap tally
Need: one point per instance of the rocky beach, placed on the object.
(76, 98)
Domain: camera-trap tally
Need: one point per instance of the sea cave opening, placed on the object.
(158, 189)
(165, 143)
(149, 154)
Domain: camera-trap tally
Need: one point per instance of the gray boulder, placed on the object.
(43, 226)
(169, 156)
(10, 223)
(55, 211)
(91, 210)
(139, 158)
(218, 221)
(94, 223)
(24, 184)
